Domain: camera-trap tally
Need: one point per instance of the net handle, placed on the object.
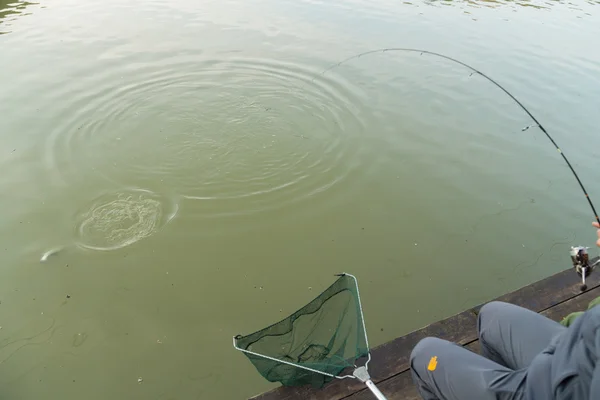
(376, 392)
(369, 383)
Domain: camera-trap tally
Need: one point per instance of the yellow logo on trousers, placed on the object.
(432, 364)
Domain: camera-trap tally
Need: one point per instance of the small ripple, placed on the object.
(116, 220)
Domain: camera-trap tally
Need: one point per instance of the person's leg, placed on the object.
(512, 336)
(459, 374)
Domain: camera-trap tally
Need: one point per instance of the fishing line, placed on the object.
(537, 123)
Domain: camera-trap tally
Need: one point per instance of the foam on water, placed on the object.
(116, 220)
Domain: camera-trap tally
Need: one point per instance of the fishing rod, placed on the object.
(579, 254)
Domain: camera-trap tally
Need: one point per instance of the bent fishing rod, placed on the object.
(579, 254)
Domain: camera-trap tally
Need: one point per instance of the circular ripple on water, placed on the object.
(252, 134)
(116, 220)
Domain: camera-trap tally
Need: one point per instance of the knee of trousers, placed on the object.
(489, 310)
(425, 349)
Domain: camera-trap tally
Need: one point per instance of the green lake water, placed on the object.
(187, 172)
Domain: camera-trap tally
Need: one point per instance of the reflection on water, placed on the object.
(10, 10)
(502, 3)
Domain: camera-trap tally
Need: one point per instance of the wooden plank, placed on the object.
(386, 360)
(550, 291)
(579, 303)
(391, 358)
(475, 347)
(401, 386)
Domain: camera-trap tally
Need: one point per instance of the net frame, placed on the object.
(362, 318)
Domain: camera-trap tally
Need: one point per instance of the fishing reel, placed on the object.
(581, 263)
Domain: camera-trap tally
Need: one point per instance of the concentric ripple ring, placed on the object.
(252, 134)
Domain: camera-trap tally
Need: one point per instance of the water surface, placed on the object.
(192, 173)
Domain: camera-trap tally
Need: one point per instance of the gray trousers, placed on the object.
(510, 337)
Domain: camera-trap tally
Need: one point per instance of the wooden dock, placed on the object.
(555, 297)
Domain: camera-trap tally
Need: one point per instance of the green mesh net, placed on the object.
(326, 336)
